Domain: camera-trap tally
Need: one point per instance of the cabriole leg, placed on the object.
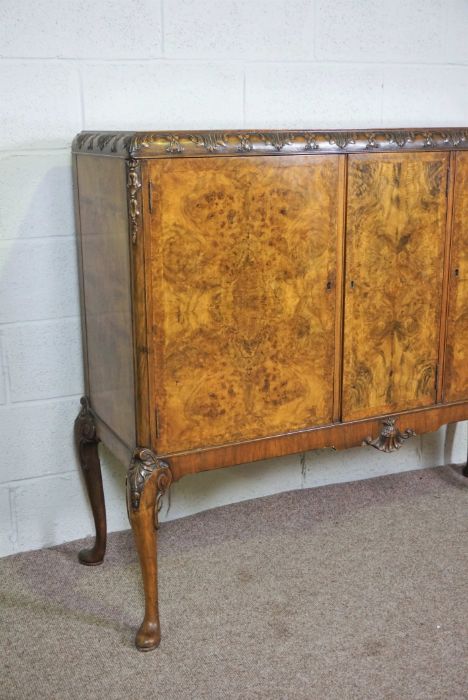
(87, 446)
(148, 479)
(465, 468)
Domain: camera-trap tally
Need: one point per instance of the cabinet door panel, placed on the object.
(243, 266)
(395, 233)
(456, 363)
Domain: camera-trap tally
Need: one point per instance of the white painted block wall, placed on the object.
(67, 65)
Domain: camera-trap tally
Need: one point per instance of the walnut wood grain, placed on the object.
(136, 204)
(102, 187)
(339, 304)
(79, 256)
(244, 271)
(396, 215)
(446, 279)
(456, 364)
(339, 436)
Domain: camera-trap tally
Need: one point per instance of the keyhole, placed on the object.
(352, 284)
(329, 285)
(457, 272)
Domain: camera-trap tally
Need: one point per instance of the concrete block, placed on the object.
(56, 509)
(162, 96)
(45, 359)
(457, 31)
(41, 105)
(425, 96)
(36, 195)
(84, 29)
(397, 32)
(3, 393)
(48, 284)
(313, 96)
(330, 467)
(51, 510)
(239, 29)
(43, 433)
(7, 529)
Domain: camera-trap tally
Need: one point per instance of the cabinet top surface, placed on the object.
(176, 144)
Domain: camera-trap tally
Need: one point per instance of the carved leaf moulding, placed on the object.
(163, 144)
(85, 430)
(144, 463)
(133, 189)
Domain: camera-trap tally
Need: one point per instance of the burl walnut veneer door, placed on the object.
(395, 235)
(456, 362)
(244, 254)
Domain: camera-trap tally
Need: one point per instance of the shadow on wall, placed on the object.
(449, 444)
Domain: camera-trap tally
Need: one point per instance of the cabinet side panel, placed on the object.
(244, 273)
(107, 291)
(396, 216)
(456, 359)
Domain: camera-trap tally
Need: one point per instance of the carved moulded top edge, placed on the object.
(165, 144)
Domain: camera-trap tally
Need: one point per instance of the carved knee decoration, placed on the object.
(143, 465)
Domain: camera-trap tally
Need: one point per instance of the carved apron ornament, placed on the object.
(390, 438)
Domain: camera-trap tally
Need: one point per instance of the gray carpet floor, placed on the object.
(354, 590)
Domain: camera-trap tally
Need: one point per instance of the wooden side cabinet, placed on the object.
(253, 294)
